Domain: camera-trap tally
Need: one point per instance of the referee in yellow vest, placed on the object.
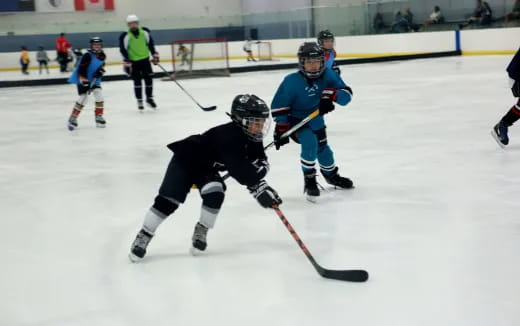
(136, 45)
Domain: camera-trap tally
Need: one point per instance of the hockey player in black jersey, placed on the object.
(500, 130)
(236, 147)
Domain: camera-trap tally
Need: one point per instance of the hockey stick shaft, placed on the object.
(289, 132)
(91, 87)
(183, 89)
(340, 275)
(295, 128)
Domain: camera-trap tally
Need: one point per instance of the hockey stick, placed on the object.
(349, 275)
(91, 87)
(289, 132)
(209, 108)
(297, 126)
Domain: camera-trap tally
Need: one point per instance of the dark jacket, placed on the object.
(225, 147)
(513, 69)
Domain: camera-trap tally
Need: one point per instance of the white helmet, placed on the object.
(132, 19)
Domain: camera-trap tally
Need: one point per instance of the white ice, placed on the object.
(434, 216)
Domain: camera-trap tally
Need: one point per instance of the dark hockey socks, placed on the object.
(512, 115)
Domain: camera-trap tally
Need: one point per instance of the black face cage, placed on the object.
(260, 133)
(92, 47)
(311, 74)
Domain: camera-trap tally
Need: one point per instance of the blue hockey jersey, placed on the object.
(330, 57)
(298, 96)
(93, 67)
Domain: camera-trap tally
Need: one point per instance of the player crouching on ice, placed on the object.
(500, 130)
(313, 87)
(236, 147)
(87, 76)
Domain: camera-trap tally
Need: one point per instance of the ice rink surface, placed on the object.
(434, 217)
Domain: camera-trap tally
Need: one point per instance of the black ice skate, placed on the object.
(311, 186)
(138, 249)
(336, 180)
(499, 132)
(140, 105)
(151, 103)
(72, 123)
(198, 240)
(100, 121)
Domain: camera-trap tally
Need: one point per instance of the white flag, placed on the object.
(54, 5)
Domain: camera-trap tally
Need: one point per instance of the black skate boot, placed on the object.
(311, 186)
(336, 180)
(100, 121)
(198, 240)
(138, 249)
(151, 103)
(499, 132)
(72, 123)
(140, 105)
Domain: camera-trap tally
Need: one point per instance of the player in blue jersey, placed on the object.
(313, 87)
(499, 132)
(326, 41)
(87, 76)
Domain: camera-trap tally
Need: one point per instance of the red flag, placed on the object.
(86, 5)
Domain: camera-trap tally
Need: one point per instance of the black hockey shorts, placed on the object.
(142, 69)
(516, 89)
(320, 133)
(84, 89)
(178, 180)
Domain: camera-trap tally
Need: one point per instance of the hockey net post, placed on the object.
(198, 58)
(265, 51)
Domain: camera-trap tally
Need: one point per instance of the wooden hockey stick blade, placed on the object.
(209, 108)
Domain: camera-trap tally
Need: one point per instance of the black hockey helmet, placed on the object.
(95, 40)
(252, 114)
(311, 50)
(325, 35)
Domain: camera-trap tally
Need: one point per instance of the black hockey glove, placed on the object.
(335, 67)
(328, 96)
(279, 130)
(266, 196)
(84, 82)
(262, 167)
(127, 68)
(99, 73)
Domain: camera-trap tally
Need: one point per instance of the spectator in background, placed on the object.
(379, 24)
(24, 60)
(476, 16)
(43, 59)
(62, 49)
(435, 17)
(400, 24)
(487, 15)
(515, 13)
(408, 16)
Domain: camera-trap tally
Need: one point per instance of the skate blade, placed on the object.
(101, 125)
(196, 252)
(312, 199)
(497, 139)
(133, 258)
(71, 127)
